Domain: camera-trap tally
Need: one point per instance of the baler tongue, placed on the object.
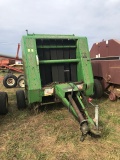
(69, 94)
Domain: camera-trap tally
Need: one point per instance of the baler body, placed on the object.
(53, 59)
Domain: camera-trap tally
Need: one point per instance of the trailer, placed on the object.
(105, 57)
(57, 68)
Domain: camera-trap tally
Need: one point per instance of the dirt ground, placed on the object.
(54, 134)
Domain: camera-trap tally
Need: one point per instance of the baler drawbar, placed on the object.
(58, 68)
(69, 94)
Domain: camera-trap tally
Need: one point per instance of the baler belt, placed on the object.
(66, 66)
(54, 66)
(57, 69)
(73, 67)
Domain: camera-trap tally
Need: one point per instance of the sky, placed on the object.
(94, 19)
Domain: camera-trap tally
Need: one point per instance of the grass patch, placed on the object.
(54, 134)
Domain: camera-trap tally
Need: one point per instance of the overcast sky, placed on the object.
(95, 19)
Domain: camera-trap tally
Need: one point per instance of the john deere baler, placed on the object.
(58, 68)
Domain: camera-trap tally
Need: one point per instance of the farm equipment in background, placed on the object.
(58, 69)
(13, 65)
(11, 81)
(105, 57)
(3, 103)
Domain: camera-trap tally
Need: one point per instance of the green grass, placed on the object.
(54, 134)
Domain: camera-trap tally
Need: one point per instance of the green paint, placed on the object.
(59, 61)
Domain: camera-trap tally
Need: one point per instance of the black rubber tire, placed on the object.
(21, 75)
(9, 77)
(20, 96)
(20, 82)
(3, 103)
(98, 89)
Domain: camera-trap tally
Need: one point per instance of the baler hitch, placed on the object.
(72, 98)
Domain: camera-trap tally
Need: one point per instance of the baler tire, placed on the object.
(21, 82)
(20, 96)
(3, 103)
(98, 89)
(10, 81)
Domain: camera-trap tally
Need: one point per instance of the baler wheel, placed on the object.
(98, 89)
(21, 82)
(3, 103)
(10, 81)
(20, 96)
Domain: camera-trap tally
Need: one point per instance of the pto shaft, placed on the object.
(80, 116)
(83, 123)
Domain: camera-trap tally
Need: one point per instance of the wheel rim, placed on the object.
(10, 81)
(22, 83)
